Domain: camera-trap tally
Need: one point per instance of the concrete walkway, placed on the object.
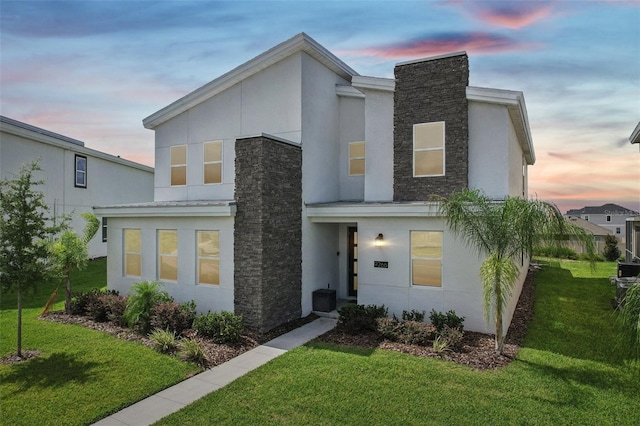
(172, 399)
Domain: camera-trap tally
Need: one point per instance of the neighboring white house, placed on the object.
(293, 173)
(75, 177)
(609, 216)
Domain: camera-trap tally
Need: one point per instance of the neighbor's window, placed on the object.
(168, 254)
(428, 149)
(208, 257)
(178, 165)
(81, 171)
(617, 230)
(132, 253)
(213, 162)
(356, 158)
(426, 258)
(104, 229)
(608, 218)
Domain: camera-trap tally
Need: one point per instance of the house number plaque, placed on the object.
(380, 264)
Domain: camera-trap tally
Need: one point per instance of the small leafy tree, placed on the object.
(611, 251)
(70, 252)
(504, 230)
(25, 234)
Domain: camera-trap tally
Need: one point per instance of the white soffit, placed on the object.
(514, 101)
(374, 83)
(342, 211)
(169, 209)
(299, 43)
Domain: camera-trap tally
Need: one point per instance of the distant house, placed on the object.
(293, 173)
(599, 234)
(609, 216)
(76, 177)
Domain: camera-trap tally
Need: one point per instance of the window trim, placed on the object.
(161, 255)
(104, 229)
(364, 158)
(444, 165)
(221, 162)
(125, 252)
(172, 166)
(76, 171)
(439, 259)
(198, 257)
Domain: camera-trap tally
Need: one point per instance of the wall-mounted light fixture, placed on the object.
(379, 241)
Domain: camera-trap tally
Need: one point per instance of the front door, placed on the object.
(352, 258)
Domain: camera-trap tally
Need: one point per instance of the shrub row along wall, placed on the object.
(268, 232)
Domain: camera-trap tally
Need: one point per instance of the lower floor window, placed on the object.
(132, 253)
(426, 258)
(168, 255)
(208, 257)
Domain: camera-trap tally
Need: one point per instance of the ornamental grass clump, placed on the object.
(164, 341)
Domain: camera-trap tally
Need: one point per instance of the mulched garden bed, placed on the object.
(477, 351)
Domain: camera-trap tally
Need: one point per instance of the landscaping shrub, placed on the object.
(413, 315)
(440, 344)
(417, 333)
(191, 350)
(355, 319)
(115, 306)
(144, 296)
(164, 340)
(611, 251)
(439, 320)
(556, 252)
(221, 327)
(389, 328)
(173, 316)
(102, 306)
(81, 301)
(453, 337)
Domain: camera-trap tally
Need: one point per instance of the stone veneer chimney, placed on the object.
(430, 90)
(267, 232)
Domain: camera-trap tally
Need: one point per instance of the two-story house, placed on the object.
(76, 178)
(609, 216)
(293, 173)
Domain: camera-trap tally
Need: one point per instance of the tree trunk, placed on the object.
(19, 323)
(498, 307)
(67, 296)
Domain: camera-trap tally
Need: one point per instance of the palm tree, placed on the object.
(504, 231)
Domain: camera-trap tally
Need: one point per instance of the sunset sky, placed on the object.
(92, 70)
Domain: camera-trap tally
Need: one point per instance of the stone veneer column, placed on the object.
(267, 232)
(427, 91)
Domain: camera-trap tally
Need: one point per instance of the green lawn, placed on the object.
(82, 375)
(570, 371)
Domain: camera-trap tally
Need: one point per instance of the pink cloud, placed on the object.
(475, 42)
(505, 14)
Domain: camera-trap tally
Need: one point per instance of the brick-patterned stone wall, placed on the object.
(268, 232)
(429, 91)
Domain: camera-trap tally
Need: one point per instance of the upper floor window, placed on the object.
(208, 257)
(608, 218)
(426, 258)
(132, 253)
(168, 254)
(428, 149)
(178, 165)
(81, 171)
(212, 162)
(356, 158)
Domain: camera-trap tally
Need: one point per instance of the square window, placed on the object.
(426, 258)
(428, 149)
(179, 165)
(81, 171)
(212, 162)
(356, 158)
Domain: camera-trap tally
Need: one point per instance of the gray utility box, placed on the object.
(324, 300)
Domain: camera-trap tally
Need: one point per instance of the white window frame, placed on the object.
(161, 255)
(221, 162)
(172, 166)
(439, 259)
(364, 158)
(84, 172)
(125, 252)
(444, 165)
(198, 257)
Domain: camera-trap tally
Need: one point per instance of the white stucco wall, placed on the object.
(207, 297)
(379, 136)
(351, 128)
(106, 177)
